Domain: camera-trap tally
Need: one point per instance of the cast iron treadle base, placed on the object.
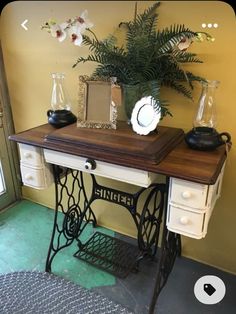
(110, 254)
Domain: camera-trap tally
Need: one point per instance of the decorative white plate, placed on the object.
(145, 118)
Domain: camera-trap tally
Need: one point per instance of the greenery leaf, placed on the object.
(148, 55)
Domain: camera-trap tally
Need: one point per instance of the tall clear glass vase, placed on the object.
(60, 114)
(206, 113)
(204, 136)
(59, 99)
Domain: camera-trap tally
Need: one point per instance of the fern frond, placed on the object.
(170, 37)
(148, 55)
(93, 58)
(145, 21)
(185, 57)
(180, 88)
(123, 74)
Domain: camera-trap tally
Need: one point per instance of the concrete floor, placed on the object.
(25, 231)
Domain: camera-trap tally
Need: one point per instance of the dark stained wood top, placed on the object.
(164, 152)
(123, 145)
(197, 166)
(34, 136)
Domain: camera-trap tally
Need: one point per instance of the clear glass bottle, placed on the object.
(204, 135)
(59, 99)
(60, 114)
(206, 114)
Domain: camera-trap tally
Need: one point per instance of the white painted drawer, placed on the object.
(188, 193)
(31, 155)
(190, 206)
(194, 195)
(104, 169)
(186, 222)
(38, 178)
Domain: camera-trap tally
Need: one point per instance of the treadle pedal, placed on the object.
(110, 254)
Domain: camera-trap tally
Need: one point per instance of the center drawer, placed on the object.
(104, 169)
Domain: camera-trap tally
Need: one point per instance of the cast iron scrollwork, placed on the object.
(69, 186)
(150, 220)
(170, 249)
(72, 201)
(71, 223)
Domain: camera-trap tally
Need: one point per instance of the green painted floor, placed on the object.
(25, 232)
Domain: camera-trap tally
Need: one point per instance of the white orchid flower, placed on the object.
(75, 34)
(83, 21)
(59, 31)
(73, 27)
(184, 43)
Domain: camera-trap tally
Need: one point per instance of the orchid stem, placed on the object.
(89, 30)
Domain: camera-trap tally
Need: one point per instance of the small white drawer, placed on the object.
(38, 178)
(186, 222)
(104, 169)
(188, 193)
(31, 155)
(195, 195)
(190, 206)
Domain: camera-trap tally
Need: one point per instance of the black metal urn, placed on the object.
(205, 138)
(60, 118)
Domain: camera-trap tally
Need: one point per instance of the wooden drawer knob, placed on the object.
(27, 155)
(186, 195)
(184, 220)
(28, 176)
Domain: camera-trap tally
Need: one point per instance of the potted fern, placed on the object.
(149, 58)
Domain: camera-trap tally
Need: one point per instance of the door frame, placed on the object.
(9, 152)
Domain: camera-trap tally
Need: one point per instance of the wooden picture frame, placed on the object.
(97, 108)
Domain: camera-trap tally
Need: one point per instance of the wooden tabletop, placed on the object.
(164, 152)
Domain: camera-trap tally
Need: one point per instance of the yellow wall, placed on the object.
(30, 56)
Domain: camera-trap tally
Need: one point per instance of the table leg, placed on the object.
(70, 193)
(170, 249)
(151, 218)
(148, 222)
